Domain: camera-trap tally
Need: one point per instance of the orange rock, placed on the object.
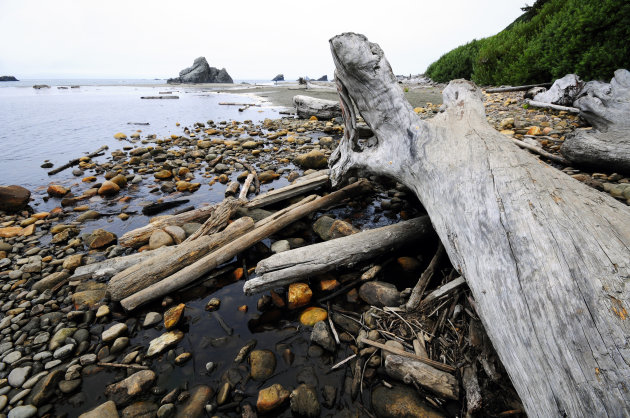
(328, 284)
(352, 296)
(10, 232)
(108, 188)
(82, 208)
(29, 230)
(183, 171)
(56, 211)
(547, 130)
(270, 398)
(55, 190)
(313, 315)
(242, 308)
(223, 178)
(408, 264)
(163, 175)
(124, 199)
(534, 130)
(41, 215)
(277, 299)
(120, 180)
(299, 295)
(313, 118)
(173, 316)
(237, 274)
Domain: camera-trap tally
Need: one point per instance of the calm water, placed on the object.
(62, 124)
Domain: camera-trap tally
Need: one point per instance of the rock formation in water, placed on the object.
(8, 78)
(323, 78)
(201, 72)
(279, 77)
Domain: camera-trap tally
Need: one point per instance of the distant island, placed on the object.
(8, 78)
(201, 72)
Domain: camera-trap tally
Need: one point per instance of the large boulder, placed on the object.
(13, 198)
(279, 77)
(563, 91)
(201, 72)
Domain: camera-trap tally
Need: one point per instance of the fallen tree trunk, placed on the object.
(220, 213)
(153, 269)
(107, 268)
(544, 105)
(545, 256)
(211, 261)
(516, 88)
(290, 266)
(607, 108)
(306, 106)
(76, 161)
(295, 189)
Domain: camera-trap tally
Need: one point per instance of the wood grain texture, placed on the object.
(294, 189)
(545, 256)
(410, 370)
(293, 265)
(306, 106)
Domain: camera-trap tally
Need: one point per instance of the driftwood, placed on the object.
(140, 236)
(306, 106)
(232, 188)
(545, 256)
(425, 376)
(245, 190)
(540, 151)
(76, 161)
(153, 269)
(107, 268)
(607, 108)
(211, 261)
(418, 290)
(219, 218)
(157, 207)
(563, 91)
(516, 88)
(290, 266)
(295, 189)
(543, 105)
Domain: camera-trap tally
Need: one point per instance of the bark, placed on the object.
(306, 107)
(293, 265)
(218, 220)
(218, 213)
(545, 256)
(190, 274)
(425, 376)
(153, 269)
(607, 108)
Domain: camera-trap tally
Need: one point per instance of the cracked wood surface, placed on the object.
(545, 256)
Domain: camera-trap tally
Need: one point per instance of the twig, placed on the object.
(124, 366)
(342, 362)
(76, 161)
(433, 363)
(416, 295)
(541, 152)
(332, 327)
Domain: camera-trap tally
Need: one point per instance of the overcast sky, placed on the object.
(252, 39)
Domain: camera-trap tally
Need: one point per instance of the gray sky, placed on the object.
(252, 39)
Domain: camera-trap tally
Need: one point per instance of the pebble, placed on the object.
(24, 411)
(262, 364)
(114, 332)
(18, 376)
(151, 319)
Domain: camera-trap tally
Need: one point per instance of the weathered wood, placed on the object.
(218, 220)
(140, 236)
(157, 207)
(563, 91)
(287, 192)
(208, 263)
(290, 266)
(472, 389)
(153, 269)
(516, 88)
(425, 376)
(541, 152)
(77, 161)
(418, 290)
(281, 212)
(232, 188)
(245, 190)
(543, 105)
(444, 290)
(306, 106)
(607, 108)
(435, 364)
(546, 257)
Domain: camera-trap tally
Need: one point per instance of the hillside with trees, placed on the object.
(552, 38)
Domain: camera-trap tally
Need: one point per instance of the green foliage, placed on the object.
(554, 37)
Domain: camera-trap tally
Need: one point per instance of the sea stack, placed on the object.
(8, 78)
(201, 72)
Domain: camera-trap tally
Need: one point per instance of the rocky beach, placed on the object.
(308, 349)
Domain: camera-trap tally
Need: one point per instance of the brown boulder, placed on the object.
(13, 198)
(56, 190)
(100, 239)
(108, 188)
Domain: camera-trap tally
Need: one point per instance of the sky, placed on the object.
(252, 39)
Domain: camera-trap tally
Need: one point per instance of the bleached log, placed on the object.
(293, 265)
(287, 192)
(540, 151)
(607, 108)
(543, 105)
(516, 88)
(563, 91)
(306, 106)
(107, 268)
(245, 190)
(190, 274)
(545, 256)
(153, 269)
(425, 376)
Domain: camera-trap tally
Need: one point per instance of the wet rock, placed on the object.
(322, 227)
(151, 319)
(114, 332)
(108, 188)
(262, 364)
(125, 390)
(18, 376)
(299, 295)
(59, 338)
(346, 323)
(100, 239)
(329, 394)
(280, 246)
(400, 401)
(323, 336)
(14, 198)
(182, 358)
(119, 180)
(56, 190)
(177, 232)
(102, 311)
(173, 315)
(379, 294)
(166, 411)
(270, 398)
(89, 294)
(104, 410)
(23, 411)
(224, 392)
(213, 304)
(143, 409)
(201, 395)
(88, 215)
(164, 341)
(314, 159)
(159, 239)
(69, 386)
(73, 261)
(304, 401)
(408, 264)
(45, 388)
(268, 176)
(51, 281)
(163, 175)
(310, 316)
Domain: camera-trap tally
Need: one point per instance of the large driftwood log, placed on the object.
(545, 256)
(295, 189)
(563, 91)
(154, 269)
(190, 274)
(306, 106)
(607, 108)
(516, 88)
(290, 266)
(107, 268)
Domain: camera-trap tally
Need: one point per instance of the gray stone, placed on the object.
(166, 411)
(191, 227)
(280, 246)
(114, 332)
(151, 319)
(141, 409)
(104, 410)
(69, 386)
(201, 72)
(3, 401)
(176, 232)
(18, 376)
(59, 338)
(379, 294)
(32, 381)
(23, 411)
(64, 351)
(159, 239)
(304, 401)
(125, 390)
(87, 359)
(12, 357)
(322, 335)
